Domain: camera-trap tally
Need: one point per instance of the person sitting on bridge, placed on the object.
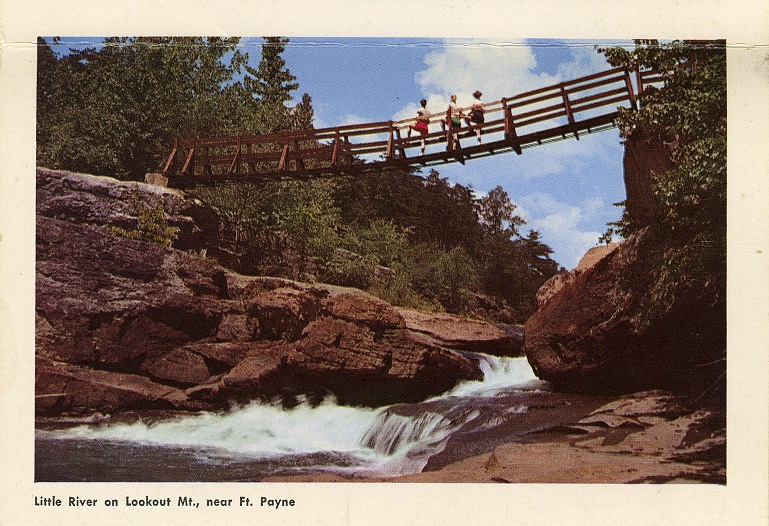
(476, 115)
(423, 119)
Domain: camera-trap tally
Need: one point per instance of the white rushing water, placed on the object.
(382, 441)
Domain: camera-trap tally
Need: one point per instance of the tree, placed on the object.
(689, 110)
(114, 109)
(302, 115)
(272, 84)
(496, 211)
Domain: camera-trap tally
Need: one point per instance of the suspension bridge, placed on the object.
(562, 111)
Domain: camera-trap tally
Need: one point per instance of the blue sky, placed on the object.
(565, 190)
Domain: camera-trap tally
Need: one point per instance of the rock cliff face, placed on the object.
(643, 158)
(125, 324)
(104, 201)
(600, 331)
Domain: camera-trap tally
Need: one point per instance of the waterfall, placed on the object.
(386, 441)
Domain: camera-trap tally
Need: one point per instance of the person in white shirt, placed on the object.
(455, 121)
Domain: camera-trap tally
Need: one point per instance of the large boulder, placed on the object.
(465, 334)
(610, 327)
(551, 287)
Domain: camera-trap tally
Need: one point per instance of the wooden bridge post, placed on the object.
(237, 157)
(630, 94)
(335, 153)
(347, 154)
(510, 134)
(401, 148)
(640, 81)
(189, 163)
(249, 162)
(284, 156)
(569, 113)
(449, 142)
(299, 159)
(171, 162)
(194, 153)
(235, 164)
(175, 162)
(389, 152)
(207, 166)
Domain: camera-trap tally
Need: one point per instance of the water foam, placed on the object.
(381, 441)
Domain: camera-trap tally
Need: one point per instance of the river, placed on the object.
(256, 440)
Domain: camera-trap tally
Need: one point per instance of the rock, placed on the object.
(157, 179)
(602, 331)
(61, 387)
(104, 202)
(237, 327)
(643, 158)
(254, 372)
(115, 301)
(180, 366)
(551, 287)
(131, 323)
(284, 313)
(222, 355)
(362, 308)
(361, 365)
(466, 334)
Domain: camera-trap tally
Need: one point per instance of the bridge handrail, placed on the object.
(509, 115)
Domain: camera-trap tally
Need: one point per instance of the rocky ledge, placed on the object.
(644, 437)
(124, 324)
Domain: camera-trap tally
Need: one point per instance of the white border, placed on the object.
(745, 24)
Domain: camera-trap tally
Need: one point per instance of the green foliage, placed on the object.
(461, 245)
(115, 110)
(152, 227)
(305, 210)
(271, 85)
(689, 112)
(496, 212)
(381, 240)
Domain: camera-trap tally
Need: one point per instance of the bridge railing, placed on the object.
(560, 110)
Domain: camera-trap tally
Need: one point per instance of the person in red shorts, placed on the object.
(423, 119)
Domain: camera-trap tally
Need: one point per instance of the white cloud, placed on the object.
(351, 118)
(497, 68)
(585, 60)
(559, 223)
(319, 123)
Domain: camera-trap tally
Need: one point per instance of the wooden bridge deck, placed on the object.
(557, 112)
